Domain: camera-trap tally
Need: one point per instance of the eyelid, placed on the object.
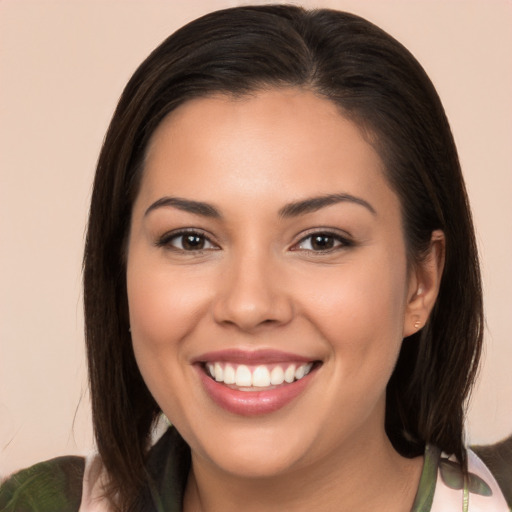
(165, 240)
(344, 239)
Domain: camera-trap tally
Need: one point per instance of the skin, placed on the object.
(258, 283)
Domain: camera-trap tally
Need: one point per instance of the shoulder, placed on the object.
(479, 491)
(53, 485)
(498, 458)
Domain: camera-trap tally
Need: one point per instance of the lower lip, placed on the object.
(253, 403)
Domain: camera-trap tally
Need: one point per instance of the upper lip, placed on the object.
(251, 357)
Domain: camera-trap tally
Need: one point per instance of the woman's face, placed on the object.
(267, 280)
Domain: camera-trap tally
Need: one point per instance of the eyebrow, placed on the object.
(294, 209)
(186, 205)
(314, 204)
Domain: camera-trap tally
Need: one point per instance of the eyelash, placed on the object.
(340, 242)
(167, 240)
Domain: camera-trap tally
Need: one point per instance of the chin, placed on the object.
(255, 464)
(257, 451)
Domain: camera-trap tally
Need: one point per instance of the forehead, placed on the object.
(282, 142)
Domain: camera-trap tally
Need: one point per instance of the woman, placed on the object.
(280, 259)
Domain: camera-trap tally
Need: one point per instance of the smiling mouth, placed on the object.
(243, 377)
(255, 383)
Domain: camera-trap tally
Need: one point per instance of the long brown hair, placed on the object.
(375, 82)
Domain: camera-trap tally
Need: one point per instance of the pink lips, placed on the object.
(250, 357)
(251, 403)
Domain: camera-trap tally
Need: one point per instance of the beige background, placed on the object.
(62, 67)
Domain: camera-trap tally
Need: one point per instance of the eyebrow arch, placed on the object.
(316, 203)
(186, 205)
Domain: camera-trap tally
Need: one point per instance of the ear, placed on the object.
(424, 283)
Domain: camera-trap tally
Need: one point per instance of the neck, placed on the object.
(366, 475)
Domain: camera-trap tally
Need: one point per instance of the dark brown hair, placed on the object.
(375, 82)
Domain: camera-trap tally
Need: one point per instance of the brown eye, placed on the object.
(186, 241)
(192, 242)
(322, 242)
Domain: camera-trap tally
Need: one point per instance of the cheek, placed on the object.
(362, 296)
(163, 305)
(359, 310)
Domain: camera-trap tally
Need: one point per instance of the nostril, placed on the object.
(249, 306)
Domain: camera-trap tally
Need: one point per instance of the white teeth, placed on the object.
(261, 377)
(300, 372)
(243, 376)
(229, 375)
(289, 374)
(277, 376)
(219, 373)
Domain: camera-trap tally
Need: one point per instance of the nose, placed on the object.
(252, 294)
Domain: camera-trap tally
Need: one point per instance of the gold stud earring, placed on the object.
(417, 324)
